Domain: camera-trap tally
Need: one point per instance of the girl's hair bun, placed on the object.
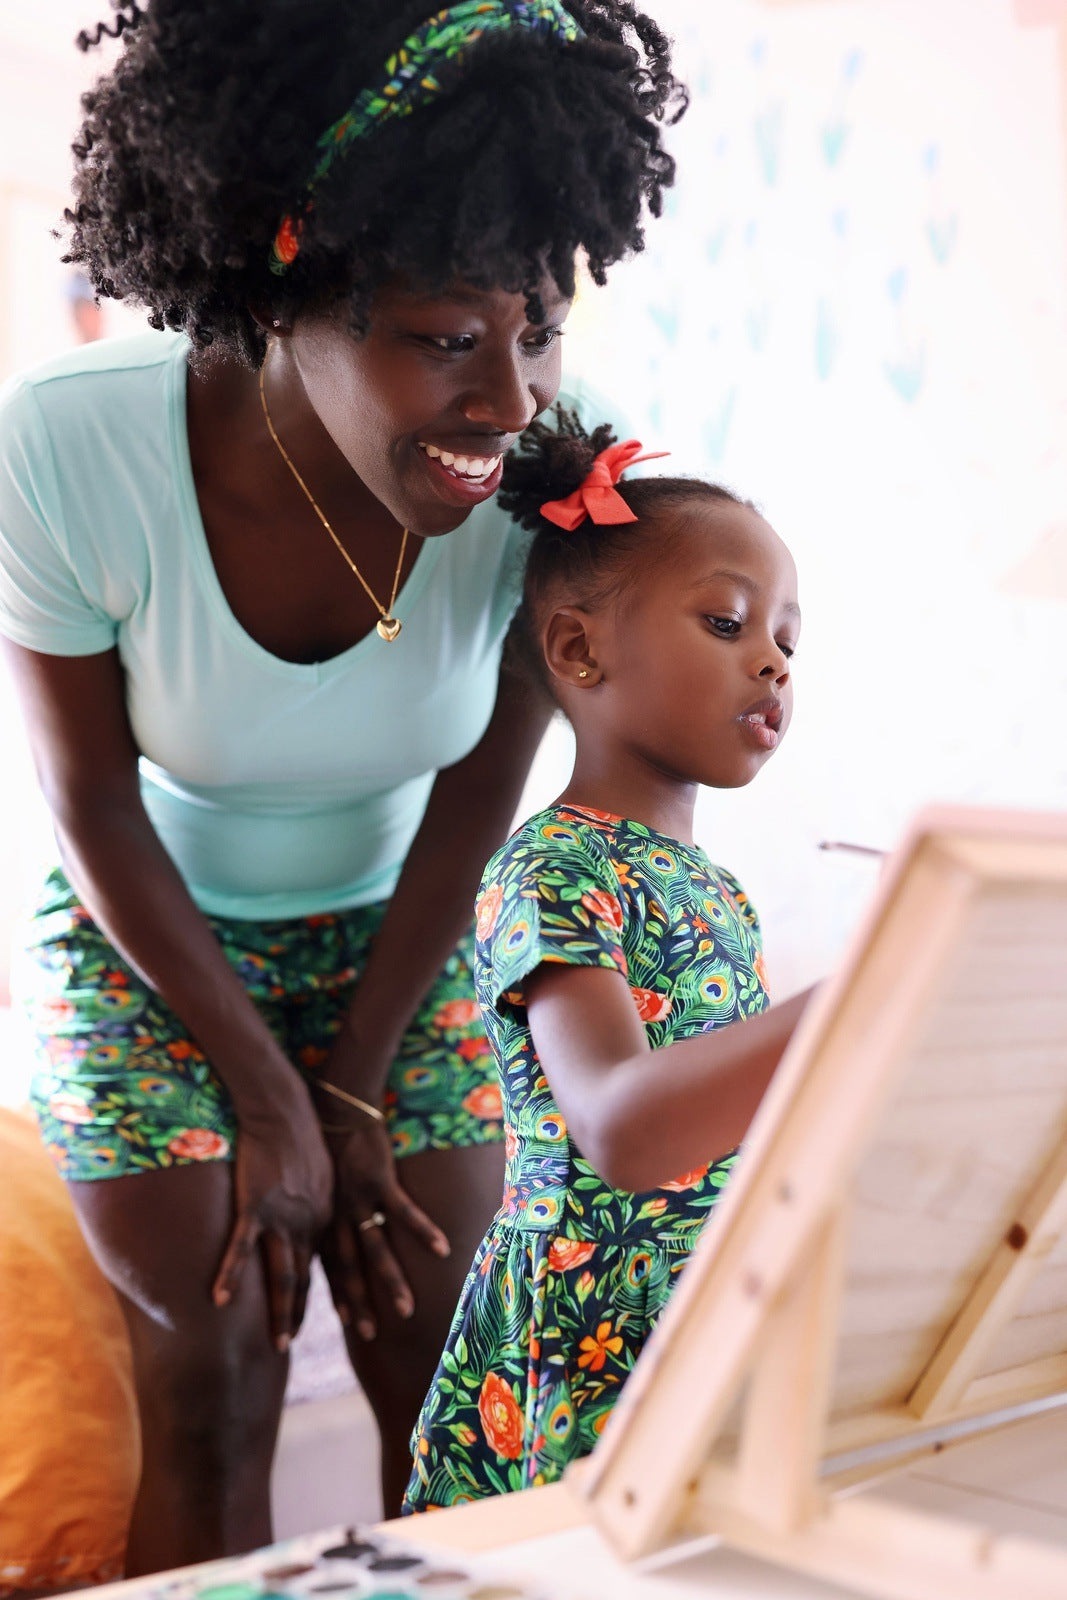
(549, 461)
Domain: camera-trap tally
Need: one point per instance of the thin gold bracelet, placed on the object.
(351, 1100)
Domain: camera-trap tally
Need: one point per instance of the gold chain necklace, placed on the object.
(388, 625)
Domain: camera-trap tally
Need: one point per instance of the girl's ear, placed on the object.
(270, 319)
(568, 648)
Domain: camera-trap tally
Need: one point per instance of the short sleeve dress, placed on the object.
(572, 1274)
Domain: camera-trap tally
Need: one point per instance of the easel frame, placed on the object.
(755, 1319)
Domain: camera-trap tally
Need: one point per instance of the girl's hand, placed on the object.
(283, 1183)
(369, 1203)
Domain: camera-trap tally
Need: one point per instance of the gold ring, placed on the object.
(375, 1220)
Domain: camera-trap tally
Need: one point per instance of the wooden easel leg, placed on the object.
(785, 1413)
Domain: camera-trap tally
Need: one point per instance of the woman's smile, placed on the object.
(425, 406)
(463, 478)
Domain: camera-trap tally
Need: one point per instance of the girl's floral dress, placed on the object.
(572, 1274)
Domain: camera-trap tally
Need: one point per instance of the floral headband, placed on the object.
(596, 497)
(410, 78)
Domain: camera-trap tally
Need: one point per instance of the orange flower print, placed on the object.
(57, 1009)
(465, 1435)
(566, 1253)
(456, 1014)
(605, 906)
(312, 1055)
(624, 874)
(651, 1007)
(484, 1102)
(487, 1261)
(487, 910)
(761, 971)
(511, 1141)
(198, 1144)
(501, 1417)
(68, 1108)
(594, 1352)
(607, 821)
(686, 1180)
(471, 1049)
(181, 1049)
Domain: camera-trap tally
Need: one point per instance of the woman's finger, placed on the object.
(242, 1242)
(402, 1209)
(302, 1264)
(280, 1266)
(383, 1263)
(344, 1269)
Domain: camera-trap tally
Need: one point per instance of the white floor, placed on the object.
(326, 1468)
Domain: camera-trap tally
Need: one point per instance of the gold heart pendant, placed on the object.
(388, 628)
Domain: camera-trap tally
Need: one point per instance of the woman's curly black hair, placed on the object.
(588, 566)
(202, 137)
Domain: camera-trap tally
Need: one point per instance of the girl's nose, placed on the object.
(775, 665)
(500, 397)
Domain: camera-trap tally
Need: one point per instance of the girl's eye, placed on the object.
(788, 650)
(725, 627)
(544, 338)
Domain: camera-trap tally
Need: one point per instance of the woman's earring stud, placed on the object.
(583, 672)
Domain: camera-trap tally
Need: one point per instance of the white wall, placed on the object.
(42, 76)
(854, 313)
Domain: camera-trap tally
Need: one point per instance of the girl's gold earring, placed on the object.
(583, 672)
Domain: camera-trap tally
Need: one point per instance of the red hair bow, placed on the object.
(596, 496)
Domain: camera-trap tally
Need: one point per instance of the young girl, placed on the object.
(612, 953)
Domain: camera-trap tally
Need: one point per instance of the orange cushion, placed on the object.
(69, 1444)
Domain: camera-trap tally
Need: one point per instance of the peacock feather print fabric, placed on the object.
(572, 1274)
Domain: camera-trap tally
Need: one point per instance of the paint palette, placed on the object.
(345, 1564)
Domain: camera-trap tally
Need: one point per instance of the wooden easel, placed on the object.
(890, 1261)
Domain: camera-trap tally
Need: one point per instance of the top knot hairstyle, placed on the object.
(594, 562)
(202, 138)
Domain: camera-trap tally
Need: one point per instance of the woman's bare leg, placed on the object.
(210, 1384)
(461, 1190)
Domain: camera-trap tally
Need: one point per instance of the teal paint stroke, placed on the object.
(768, 131)
(758, 325)
(833, 138)
(715, 243)
(666, 319)
(908, 375)
(827, 339)
(941, 235)
(718, 425)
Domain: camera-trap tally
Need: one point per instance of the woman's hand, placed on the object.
(357, 1249)
(283, 1183)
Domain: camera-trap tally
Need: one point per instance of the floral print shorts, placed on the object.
(121, 1087)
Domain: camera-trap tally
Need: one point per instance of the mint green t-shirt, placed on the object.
(279, 788)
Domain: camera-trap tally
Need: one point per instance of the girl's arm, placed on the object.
(641, 1125)
(86, 759)
(470, 812)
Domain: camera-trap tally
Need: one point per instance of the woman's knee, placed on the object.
(210, 1396)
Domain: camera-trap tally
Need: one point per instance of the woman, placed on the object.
(265, 694)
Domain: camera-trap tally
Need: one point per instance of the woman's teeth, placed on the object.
(476, 468)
